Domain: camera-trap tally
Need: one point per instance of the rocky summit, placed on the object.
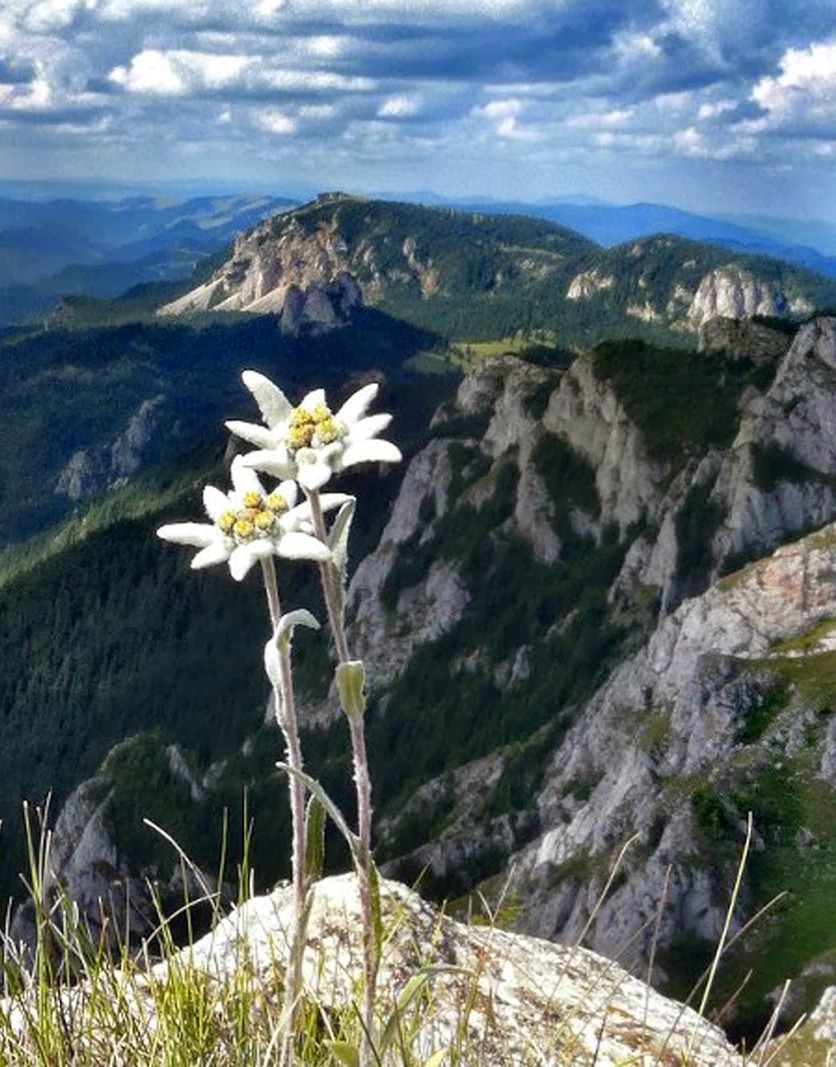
(468, 272)
(506, 998)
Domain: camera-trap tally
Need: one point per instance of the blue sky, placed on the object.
(710, 105)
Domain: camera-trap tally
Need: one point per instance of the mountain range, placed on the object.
(596, 602)
(60, 241)
(56, 248)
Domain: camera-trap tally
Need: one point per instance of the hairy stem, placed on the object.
(286, 716)
(332, 593)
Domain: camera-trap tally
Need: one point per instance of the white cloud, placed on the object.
(694, 144)
(180, 72)
(713, 110)
(317, 111)
(399, 107)
(276, 121)
(150, 72)
(631, 47)
(673, 102)
(615, 117)
(504, 115)
(805, 90)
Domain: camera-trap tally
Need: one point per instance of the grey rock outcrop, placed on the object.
(743, 338)
(794, 426)
(93, 470)
(84, 864)
(734, 293)
(672, 712)
(518, 1000)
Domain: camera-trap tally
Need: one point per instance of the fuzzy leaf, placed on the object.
(289, 621)
(313, 786)
(338, 538)
(315, 840)
(351, 680)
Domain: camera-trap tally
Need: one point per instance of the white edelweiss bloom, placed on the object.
(309, 442)
(249, 524)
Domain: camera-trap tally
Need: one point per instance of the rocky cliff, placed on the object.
(683, 734)
(303, 278)
(559, 667)
(431, 265)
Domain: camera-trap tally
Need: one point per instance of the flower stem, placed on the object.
(332, 592)
(286, 716)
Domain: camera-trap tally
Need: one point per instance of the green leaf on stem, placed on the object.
(313, 787)
(410, 991)
(338, 538)
(377, 914)
(315, 839)
(351, 682)
(281, 640)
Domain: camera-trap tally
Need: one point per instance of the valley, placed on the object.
(596, 602)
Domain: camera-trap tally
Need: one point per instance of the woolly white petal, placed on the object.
(274, 461)
(374, 451)
(212, 554)
(244, 478)
(313, 475)
(244, 556)
(254, 434)
(196, 534)
(328, 501)
(356, 405)
(289, 490)
(368, 427)
(272, 403)
(302, 546)
(215, 502)
(313, 399)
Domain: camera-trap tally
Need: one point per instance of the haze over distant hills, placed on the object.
(810, 244)
(59, 239)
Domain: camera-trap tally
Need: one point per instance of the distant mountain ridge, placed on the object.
(58, 248)
(476, 275)
(613, 224)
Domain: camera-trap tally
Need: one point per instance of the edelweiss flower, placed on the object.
(249, 524)
(309, 442)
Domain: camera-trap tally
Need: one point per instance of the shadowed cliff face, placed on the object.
(557, 667)
(685, 733)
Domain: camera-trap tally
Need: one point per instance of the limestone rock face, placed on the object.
(670, 713)
(281, 270)
(741, 337)
(512, 997)
(586, 413)
(794, 423)
(387, 639)
(587, 284)
(85, 865)
(734, 293)
(92, 470)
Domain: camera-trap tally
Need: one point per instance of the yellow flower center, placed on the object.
(310, 427)
(243, 529)
(327, 431)
(276, 502)
(257, 519)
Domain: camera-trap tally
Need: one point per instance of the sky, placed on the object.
(720, 106)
